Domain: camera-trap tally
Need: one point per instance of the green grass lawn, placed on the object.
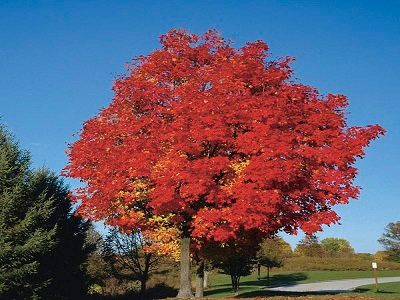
(385, 289)
(220, 286)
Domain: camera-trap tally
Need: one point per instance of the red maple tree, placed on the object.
(222, 138)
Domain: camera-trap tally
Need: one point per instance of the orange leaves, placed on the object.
(220, 137)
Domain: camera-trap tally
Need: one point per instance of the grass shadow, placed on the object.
(226, 290)
(275, 280)
(217, 291)
(266, 293)
(363, 290)
(278, 280)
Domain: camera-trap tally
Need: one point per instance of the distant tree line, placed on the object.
(310, 246)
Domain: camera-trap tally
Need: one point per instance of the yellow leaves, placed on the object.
(163, 163)
(163, 237)
(139, 189)
(239, 166)
(160, 220)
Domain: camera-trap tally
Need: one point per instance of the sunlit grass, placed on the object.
(220, 286)
(390, 288)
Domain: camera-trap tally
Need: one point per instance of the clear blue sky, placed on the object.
(58, 60)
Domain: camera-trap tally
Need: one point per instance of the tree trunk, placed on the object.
(143, 286)
(145, 276)
(268, 275)
(258, 269)
(185, 289)
(206, 279)
(200, 280)
(235, 284)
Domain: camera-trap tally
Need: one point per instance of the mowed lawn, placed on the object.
(251, 287)
(390, 288)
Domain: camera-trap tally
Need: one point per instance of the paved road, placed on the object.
(332, 286)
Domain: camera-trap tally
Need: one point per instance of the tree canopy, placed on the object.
(273, 251)
(223, 138)
(187, 115)
(309, 246)
(336, 246)
(391, 240)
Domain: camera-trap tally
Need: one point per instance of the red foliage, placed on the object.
(187, 113)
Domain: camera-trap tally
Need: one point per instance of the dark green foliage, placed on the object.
(22, 238)
(41, 241)
(236, 265)
(64, 265)
(236, 259)
(391, 241)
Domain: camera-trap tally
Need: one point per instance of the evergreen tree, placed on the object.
(42, 251)
(65, 264)
(22, 238)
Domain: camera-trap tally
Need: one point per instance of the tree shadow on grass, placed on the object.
(225, 290)
(278, 280)
(362, 290)
(217, 291)
(275, 280)
(267, 293)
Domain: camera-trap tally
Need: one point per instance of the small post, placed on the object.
(375, 267)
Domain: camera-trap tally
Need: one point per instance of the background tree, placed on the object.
(101, 271)
(187, 114)
(336, 246)
(391, 241)
(67, 275)
(203, 266)
(98, 270)
(381, 256)
(309, 246)
(272, 254)
(128, 258)
(236, 258)
(42, 251)
(23, 240)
